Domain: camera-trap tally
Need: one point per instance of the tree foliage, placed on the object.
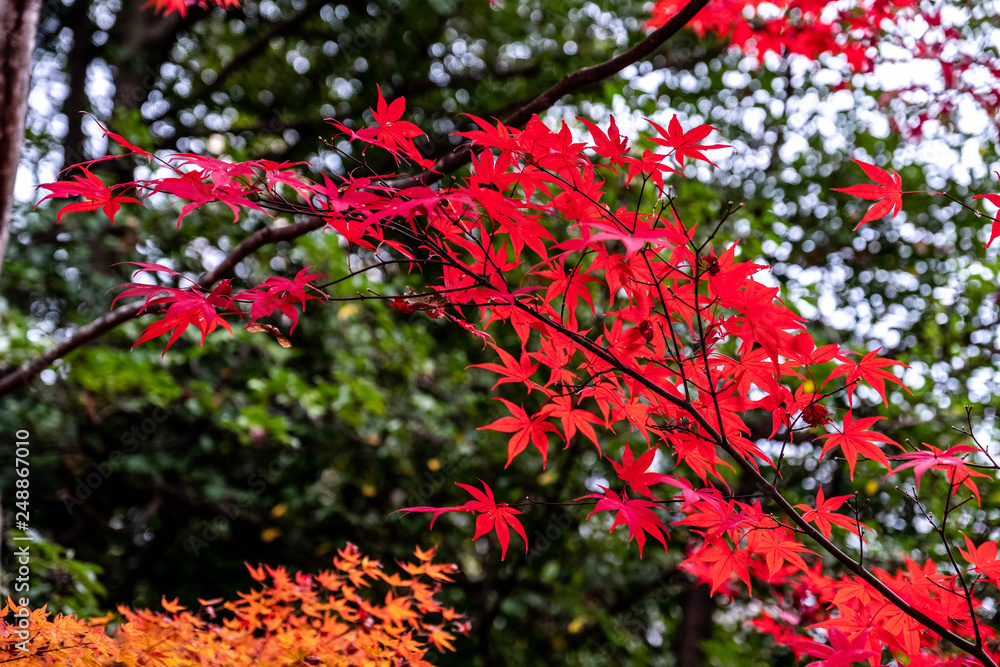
(608, 288)
(328, 618)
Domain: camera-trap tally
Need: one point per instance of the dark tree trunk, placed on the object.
(80, 55)
(696, 625)
(18, 26)
(146, 39)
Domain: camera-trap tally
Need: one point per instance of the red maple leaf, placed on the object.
(202, 186)
(685, 144)
(493, 515)
(958, 472)
(637, 514)
(983, 558)
(96, 195)
(187, 306)
(392, 134)
(573, 419)
(392, 130)
(279, 293)
(842, 651)
(295, 288)
(526, 429)
(187, 310)
(611, 145)
(869, 368)
(824, 515)
(512, 370)
(855, 439)
(635, 472)
(887, 192)
(777, 550)
(802, 348)
(727, 561)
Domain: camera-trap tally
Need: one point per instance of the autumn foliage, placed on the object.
(336, 617)
(629, 318)
(856, 36)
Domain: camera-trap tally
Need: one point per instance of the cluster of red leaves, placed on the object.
(864, 32)
(197, 180)
(191, 306)
(181, 6)
(806, 27)
(859, 621)
(626, 321)
(300, 619)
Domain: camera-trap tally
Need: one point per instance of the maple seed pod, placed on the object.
(712, 265)
(816, 415)
(404, 306)
(646, 330)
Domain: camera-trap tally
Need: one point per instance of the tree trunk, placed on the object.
(696, 625)
(18, 26)
(80, 55)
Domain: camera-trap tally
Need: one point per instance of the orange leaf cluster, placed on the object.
(298, 619)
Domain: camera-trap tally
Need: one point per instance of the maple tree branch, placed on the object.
(971, 434)
(860, 527)
(88, 332)
(940, 529)
(954, 563)
(721, 438)
(568, 84)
